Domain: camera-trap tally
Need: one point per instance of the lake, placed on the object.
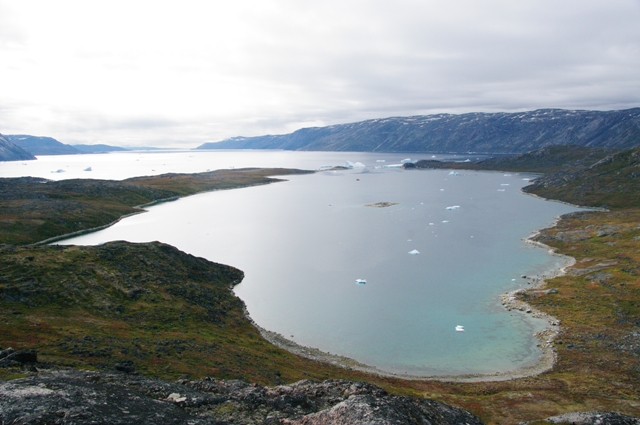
(439, 257)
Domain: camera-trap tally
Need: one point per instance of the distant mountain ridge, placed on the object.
(41, 145)
(473, 132)
(99, 148)
(12, 152)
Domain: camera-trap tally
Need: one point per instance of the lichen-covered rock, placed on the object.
(80, 397)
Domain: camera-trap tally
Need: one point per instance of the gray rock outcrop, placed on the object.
(81, 397)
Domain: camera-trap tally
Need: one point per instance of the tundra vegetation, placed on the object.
(152, 309)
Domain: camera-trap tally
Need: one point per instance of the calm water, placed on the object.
(303, 243)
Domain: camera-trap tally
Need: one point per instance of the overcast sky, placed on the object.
(181, 73)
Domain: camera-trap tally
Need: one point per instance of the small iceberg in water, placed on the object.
(453, 173)
(350, 165)
(88, 169)
(405, 161)
(414, 252)
(454, 207)
(459, 328)
(361, 281)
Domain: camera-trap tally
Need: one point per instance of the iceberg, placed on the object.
(361, 281)
(350, 165)
(454, 173)
(414, 252)
(88, 169)
(454, 207)
(380, 160)
(504, 184)
(406, 160)
(459, 328)
(392, 166)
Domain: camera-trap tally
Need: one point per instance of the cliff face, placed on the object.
(473, 132)
(11, 152)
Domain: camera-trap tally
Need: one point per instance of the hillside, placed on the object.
(613, 182)
(11, 152)
(550, 159)
(41, 145)
(474, 132)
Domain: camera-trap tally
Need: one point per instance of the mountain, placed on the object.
(41, 145)
(11, 152)
(473, 132)
(99, 148)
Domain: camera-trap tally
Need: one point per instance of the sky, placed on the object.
(181, 73)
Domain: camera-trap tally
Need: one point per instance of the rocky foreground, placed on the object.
(82, 397)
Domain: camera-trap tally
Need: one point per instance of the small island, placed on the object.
(381, 204)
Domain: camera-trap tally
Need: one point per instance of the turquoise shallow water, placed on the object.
(303, 243)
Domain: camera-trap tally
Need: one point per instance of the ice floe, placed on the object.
(504, 184)
(414, 252)
(392, 166)
(405, 161)
(459, 328)
(454, 173)
(454, 207)
(361, 281)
